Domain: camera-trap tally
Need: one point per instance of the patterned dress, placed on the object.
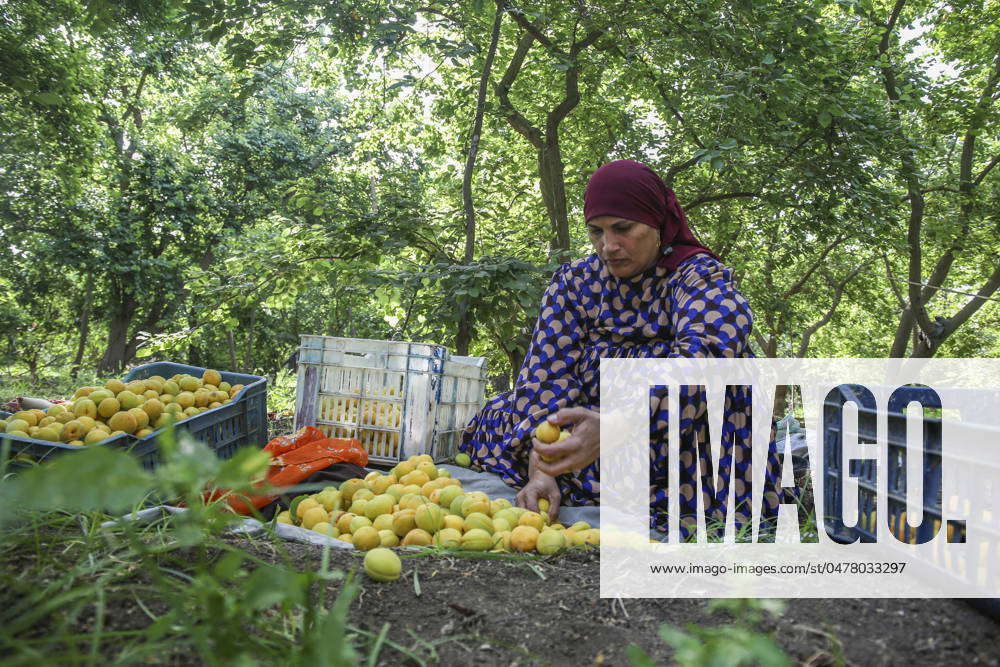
(587, 315)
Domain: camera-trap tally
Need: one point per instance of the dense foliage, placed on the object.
(206, 181)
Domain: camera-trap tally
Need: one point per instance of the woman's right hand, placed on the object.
(540, 486)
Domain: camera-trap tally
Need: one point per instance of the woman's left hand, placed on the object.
(575, 452)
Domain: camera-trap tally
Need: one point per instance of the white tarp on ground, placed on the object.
(487, 483)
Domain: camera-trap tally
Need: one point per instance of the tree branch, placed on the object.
(890, 25)
(114, 129)
(910, 174)
(760, 340)
(986, 170)
(586, 42)
(477, 128)
(939, 188)
(537, 34)
(671, 173)
(132, 109)
(970, 308)
(434, 10)
(514, 117)
(965, 186)
(892, 283)
(800, 283)
(838, 292)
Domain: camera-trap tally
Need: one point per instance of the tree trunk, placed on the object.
(113, 360)
(515, 358)
(248, 354)
(551, 173)
(465, 324)
(194, 352)
(115, 354)
(196, 356)
(230, 339)
(32, 362)
(902, 338)
(464, 336)
(550, 165)
(84, 330)
(781, 400)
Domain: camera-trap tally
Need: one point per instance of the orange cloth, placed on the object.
(286, 443)
(294, 459)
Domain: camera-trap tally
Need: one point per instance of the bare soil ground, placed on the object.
(502, 612)
(509, 612)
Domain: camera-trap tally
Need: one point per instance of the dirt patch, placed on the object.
(501, 612)
(543, 611)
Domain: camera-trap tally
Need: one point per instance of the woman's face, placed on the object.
(626, 247)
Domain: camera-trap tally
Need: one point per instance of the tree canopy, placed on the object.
(206, 181)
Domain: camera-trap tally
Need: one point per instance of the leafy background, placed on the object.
(204, 182)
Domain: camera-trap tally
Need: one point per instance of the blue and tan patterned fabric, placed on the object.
(587, 315)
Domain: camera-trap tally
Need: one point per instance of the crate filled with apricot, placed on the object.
(137, 407)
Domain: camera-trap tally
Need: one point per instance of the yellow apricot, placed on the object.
(533, 519)
(305, 505)
(524, 538)
(382, 564)
(417, 538)
(547, 432)
(366, 538)
(404, 521)
(550, 542)
(313, 516)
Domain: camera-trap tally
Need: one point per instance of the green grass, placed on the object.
(281, 392)
(51, 384)
(189, 593)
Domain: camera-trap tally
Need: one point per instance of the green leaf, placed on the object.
(294, 505)
(48, 99)
(270, 585)
(247, 465)
(228, 566)
(825, 118)
(768, 59)
(332, 644)
(96, 478)
(637, 657)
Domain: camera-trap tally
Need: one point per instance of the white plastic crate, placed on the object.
(398, 398)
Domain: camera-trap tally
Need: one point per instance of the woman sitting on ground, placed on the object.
(650, 290)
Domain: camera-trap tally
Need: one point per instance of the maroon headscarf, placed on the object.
(631, 190)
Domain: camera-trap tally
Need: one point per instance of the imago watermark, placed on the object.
(800, 478)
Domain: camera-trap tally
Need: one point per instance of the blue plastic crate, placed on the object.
(865, 473)
(894, 461)
(42, 450)
(239, 423)
(979, 562)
